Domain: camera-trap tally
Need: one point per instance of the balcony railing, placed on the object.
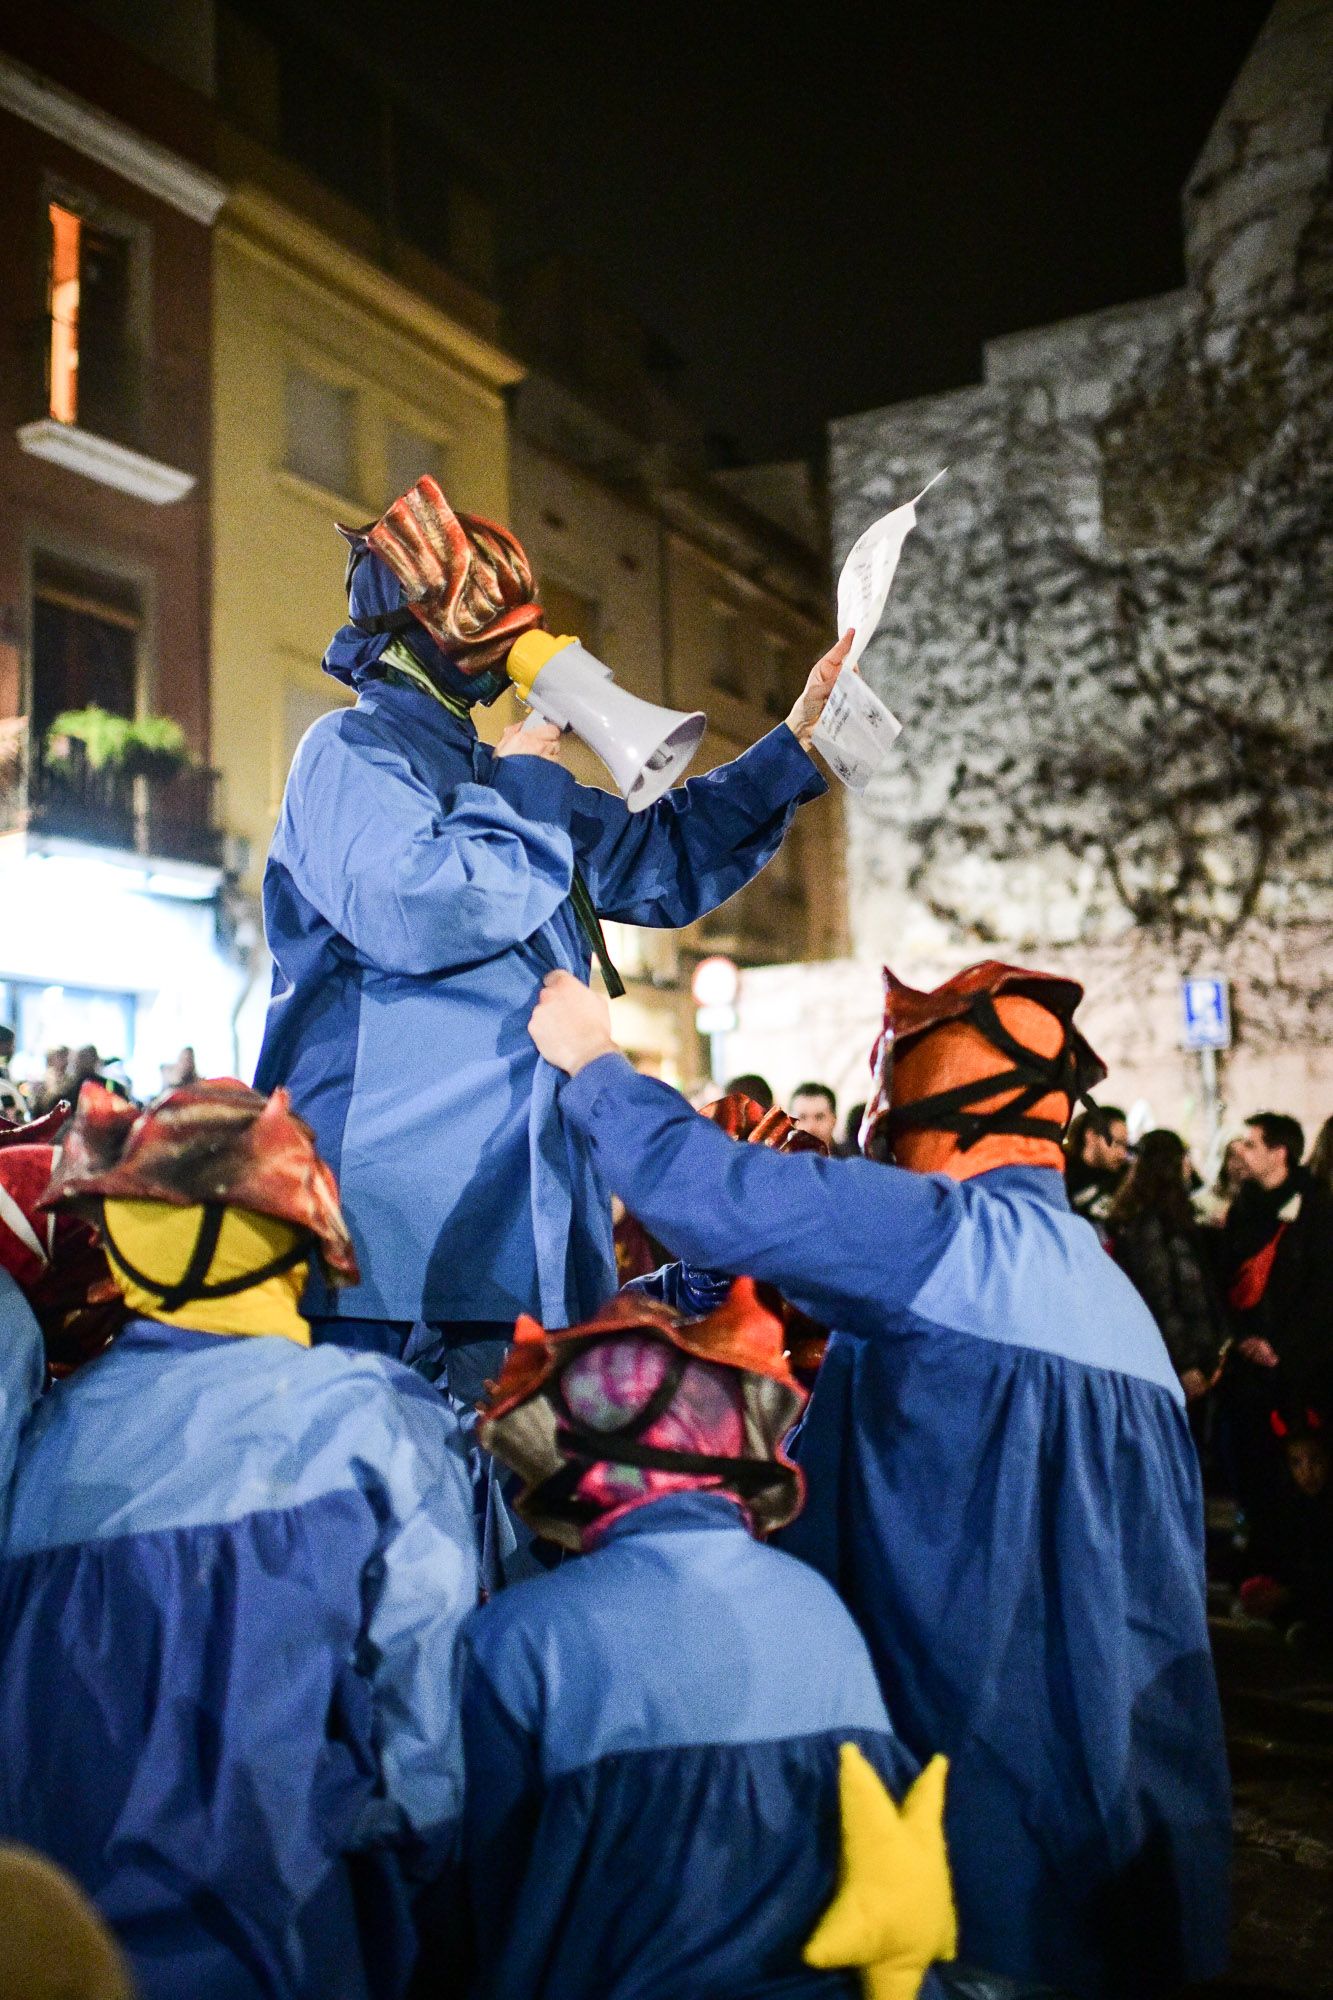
(172, 819)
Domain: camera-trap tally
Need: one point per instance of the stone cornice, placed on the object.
(276, 234)
(95, 133)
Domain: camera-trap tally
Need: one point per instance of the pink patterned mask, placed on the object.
(607, 1385)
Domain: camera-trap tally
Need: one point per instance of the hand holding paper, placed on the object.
(855, 731)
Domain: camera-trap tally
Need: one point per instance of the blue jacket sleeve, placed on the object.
(846, 1240)
(22, 1376)
(413, 888)
(422, 1588)
(700, 843)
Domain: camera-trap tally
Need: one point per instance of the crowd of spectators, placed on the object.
(1238, 1275)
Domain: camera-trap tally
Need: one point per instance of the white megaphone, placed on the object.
(644, 747)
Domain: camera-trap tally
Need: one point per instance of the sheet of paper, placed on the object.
(863, 586)
(856, 730)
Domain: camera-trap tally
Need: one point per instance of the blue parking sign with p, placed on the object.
(1207, 1013)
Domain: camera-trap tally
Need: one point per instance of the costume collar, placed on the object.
(398, 658)
(425, 711)
(675, 1513)
(154, 1336)
(1043, 1184)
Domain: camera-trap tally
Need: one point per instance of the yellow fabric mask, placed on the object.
(159, 1240)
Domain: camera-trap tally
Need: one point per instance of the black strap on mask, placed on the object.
(1033, 1077)
(585, 1447)
(192, 1282)
(372, 622)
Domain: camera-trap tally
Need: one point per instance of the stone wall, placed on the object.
(1110, 639)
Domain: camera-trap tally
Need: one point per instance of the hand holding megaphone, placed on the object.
(645, 748)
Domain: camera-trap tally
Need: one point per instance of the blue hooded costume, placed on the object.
(653, 1733)
(417, 894)
(233, 1573)
(1004, 1491)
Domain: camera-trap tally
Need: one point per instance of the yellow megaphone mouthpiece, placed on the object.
(644, 747)
(529, 654)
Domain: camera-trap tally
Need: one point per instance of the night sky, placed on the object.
(824, 209)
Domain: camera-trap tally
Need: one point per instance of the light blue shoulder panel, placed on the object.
(1024, 1272)
(154, 1436)
(659, 1641)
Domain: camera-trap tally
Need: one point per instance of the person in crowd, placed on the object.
(12, 1102)
(849, 1146)
(757, 1088)
(182, 1070)
(1275, 1262)
(55, 1083)
(1096, 1158)
(814, 1107)
(653, 1735)
(232, 1579)
(419, 886)
(1297, 1591)
(1003, 1484)
(1320, 1163)
(1155, 1239)
(1212, 1202)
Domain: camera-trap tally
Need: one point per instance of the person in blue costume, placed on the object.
(232, 1578)
(419, 887)
(653, 1734)
(1003, 1486)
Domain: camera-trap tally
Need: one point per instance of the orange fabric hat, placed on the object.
(467, 580)
(982, 1072)
(524, 1421)
(741, 1118)
(217, 1144)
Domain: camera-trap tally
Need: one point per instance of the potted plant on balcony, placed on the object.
(155, 749)
(89, 735)
(148, 746)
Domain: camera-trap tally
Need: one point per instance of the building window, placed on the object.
(94, 364)
(321, 432)
(726, 672)
(85, 646)
(408, 454)
(570, 615)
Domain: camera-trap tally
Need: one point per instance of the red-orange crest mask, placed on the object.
(982, 1072)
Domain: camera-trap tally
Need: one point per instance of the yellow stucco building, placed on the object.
(334, 387)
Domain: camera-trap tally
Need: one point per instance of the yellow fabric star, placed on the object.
(893, 1915)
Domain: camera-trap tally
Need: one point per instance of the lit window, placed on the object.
(66, 233)
(321, 421)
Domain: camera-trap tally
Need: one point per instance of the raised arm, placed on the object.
(843, 1239)
(415, 889)
(710, 836)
